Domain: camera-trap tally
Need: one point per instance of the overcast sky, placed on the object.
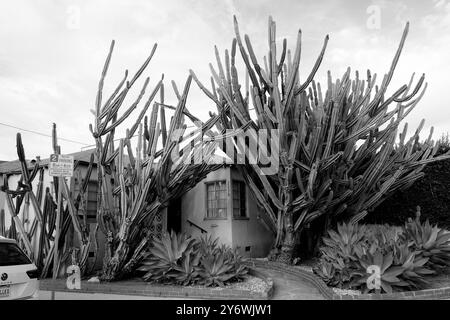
(52, 53)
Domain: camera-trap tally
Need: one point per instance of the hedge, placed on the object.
(431, 193)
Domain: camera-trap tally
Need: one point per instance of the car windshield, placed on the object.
(10, 254)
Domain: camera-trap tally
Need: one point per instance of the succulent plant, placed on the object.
(215, 270)
(327, 272)
(344, 245)
(430, 241)
(187, 269)
(404, 255)
(415, 271)
(207, 245)
(389, 273)
(171, 252)
(179, 259)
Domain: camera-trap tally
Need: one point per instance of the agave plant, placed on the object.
(163, 258)
(431, 241)
(384, 235)
(340, 254)
(415, 270)
(178, 259)
(187, 270)
(337, 274)
(389, 273)
(207, 245)
(215, 270)
(219, 264)
(345, 244)
(406, 256)
(327, 272)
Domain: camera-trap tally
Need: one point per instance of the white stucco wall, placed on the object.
(237, 233)
(250, 232)
(193, 207)
(12, 183)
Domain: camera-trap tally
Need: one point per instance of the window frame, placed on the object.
(92, 218)
(241, 201)
(214, 182)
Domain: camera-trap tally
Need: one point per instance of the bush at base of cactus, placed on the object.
(406, 256)
(181, 260)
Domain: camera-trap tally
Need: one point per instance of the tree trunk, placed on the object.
(303, 244)
(283, 248)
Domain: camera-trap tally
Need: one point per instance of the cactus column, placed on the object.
(133, 189)
(339, 156)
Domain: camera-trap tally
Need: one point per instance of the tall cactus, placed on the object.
(133, 190)
(339, 157)
(38, 242)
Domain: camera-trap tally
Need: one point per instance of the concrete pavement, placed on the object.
(59, 295)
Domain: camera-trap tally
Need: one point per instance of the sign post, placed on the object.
(60, 166)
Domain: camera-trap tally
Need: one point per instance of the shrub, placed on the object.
(171, 258)
(181, 260)
(406, 256)
(430, 242)
(430, 193)
(340, 254)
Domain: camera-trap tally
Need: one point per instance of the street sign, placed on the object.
(60, 165)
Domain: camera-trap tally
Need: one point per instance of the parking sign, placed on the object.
(60, 165)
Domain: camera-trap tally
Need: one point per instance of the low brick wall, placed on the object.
(137, 287)
(429, 294)
(328, 293)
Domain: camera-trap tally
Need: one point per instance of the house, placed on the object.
(11, 171)
(221, 205)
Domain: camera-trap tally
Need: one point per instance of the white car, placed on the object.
(18, 275)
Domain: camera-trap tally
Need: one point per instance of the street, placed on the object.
(61, 295)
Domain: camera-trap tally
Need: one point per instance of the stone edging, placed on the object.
(136, 288)
(328, 293)
(429, 294)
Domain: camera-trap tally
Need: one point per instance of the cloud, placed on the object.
(50, 66)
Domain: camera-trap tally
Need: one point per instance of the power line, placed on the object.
(41, 134)
(93, 145)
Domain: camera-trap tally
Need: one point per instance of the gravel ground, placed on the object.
(249, 282)
(346, 292)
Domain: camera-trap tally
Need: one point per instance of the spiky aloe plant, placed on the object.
(338, 153)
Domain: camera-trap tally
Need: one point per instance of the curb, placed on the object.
(141, 288)
(428, 294)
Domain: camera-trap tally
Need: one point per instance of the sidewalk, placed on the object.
(290, 287)
(59, 295)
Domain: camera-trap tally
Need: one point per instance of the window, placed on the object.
(91, 203)
(216, 193)
(11, 255)
(239, 208)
